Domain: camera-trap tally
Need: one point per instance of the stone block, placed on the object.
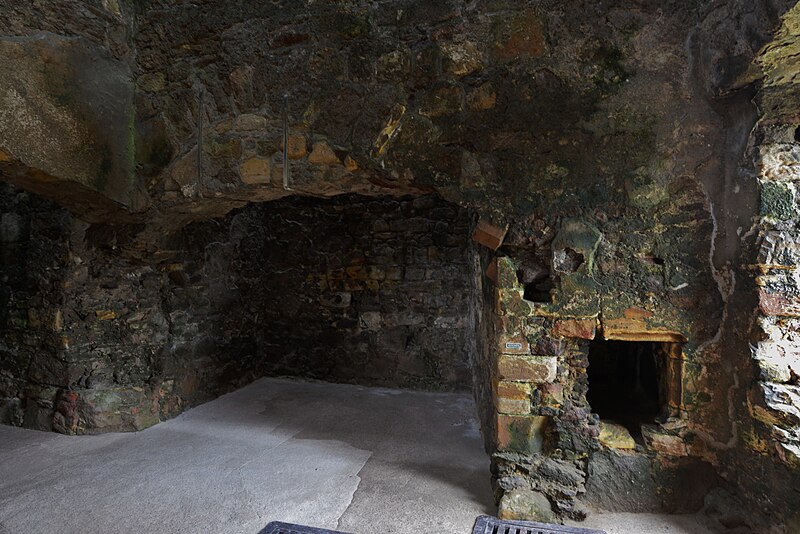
(616, 436)
(506, 273)
(524, 504)
(577, 328)
(370, 320)
(297, 146)
(248, 122)
(462, 58)
(551, 395)
(535, 369)
(524, 434)
(522, 37)
(778, 304)
(510, 302)
(660, 442)
(778, 360)
(323, 154)
(489, 235)
(105, 315)
(513, 344)
(513, 398)
(255, 171)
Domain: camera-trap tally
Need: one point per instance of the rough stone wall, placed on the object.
(615, 137)
(34, 237)
(351, 289)
(375, 292)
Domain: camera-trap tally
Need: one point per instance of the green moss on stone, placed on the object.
(778, 201)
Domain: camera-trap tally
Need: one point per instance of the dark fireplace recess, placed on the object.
(625, 382)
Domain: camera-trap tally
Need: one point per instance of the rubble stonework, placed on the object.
(633, 168)
(371, 291)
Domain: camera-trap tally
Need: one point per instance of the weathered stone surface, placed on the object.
(635, 491)
(513, 344)
(778, 304)
(489, 235)
(664, 443)
(255, 171)
(576, 328)
(297, 147)
(521, 433)
(568, 122)
(535, 369)
(525, 504)
(323, 154)
(616, 436)
(66, 120)
(513, 398)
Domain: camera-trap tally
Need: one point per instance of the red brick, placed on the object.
(489, 235)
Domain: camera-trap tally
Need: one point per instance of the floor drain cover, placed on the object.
(491, 525)
(287, 528)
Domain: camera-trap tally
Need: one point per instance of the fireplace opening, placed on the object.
(626, 385)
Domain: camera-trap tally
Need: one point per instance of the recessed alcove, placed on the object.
(628, 381)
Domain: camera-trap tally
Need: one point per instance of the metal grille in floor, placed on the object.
(491, 525)
(277, 527)
(483, 525)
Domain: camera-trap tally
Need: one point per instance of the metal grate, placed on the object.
(491, 525)
(277, 527)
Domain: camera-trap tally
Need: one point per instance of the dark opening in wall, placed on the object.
(538, 291)
(626, 382)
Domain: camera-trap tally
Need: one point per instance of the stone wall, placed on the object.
(379, 292)
(621, 143)
(350, 289)
(34, 250)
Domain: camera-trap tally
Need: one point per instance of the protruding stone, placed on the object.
(489, 235)
(578, 328)
(323, 154)
(666, 444)
(506, 273)
(523, 504)
(616, 436)
(513, 398)
(462, 58)
(350, 164)
(255, 171)
(535, 369)
(249, 122)
(297, 146)
(510, 302)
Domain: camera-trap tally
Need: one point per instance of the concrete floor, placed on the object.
(357, 459)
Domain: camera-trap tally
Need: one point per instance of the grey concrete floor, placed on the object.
(362, 460)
